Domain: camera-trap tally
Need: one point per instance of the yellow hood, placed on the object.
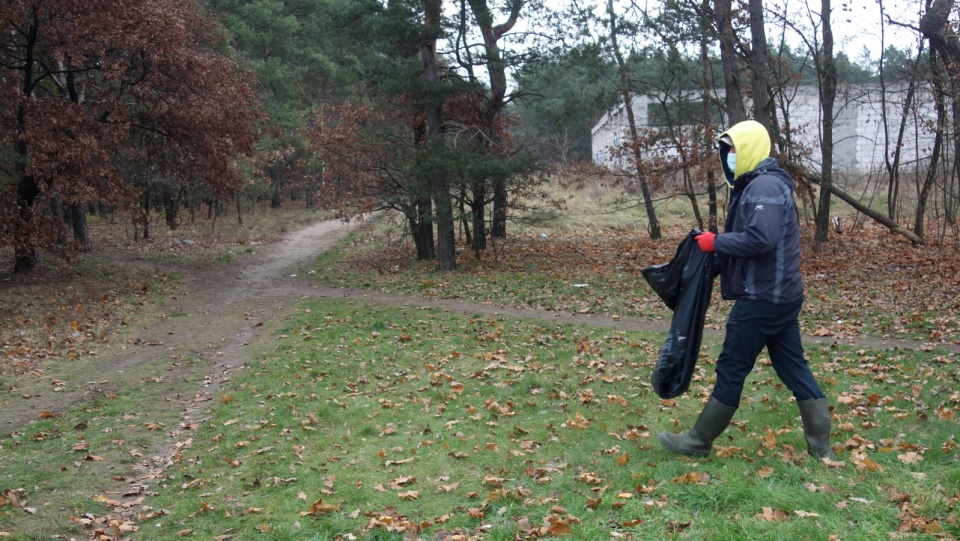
(752, 142)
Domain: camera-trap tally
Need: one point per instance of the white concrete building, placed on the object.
(859, 133)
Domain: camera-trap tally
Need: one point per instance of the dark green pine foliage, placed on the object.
(561, 98)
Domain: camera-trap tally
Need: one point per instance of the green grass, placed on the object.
(394, 419)
(849, 294)
(64, 468)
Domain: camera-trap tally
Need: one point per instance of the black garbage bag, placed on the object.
(685, 285)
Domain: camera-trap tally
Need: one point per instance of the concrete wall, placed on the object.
(859, 133)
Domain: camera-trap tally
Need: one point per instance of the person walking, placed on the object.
(758, 256)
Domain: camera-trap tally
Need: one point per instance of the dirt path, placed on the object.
(218, 313)
(213, 316)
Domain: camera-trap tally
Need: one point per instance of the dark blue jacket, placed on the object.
(758, 252)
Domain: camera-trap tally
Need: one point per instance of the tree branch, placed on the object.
(867, 211)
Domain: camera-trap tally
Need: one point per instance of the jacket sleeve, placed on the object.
(762, 206)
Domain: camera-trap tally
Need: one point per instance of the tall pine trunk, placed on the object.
(422, 228)
(497, 74)
(439, 183)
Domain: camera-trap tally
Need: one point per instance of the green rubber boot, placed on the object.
(816, 427)
(698, 441)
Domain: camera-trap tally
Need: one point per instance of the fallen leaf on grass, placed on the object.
(402, 481)
(910, 458)
(692, 478)
(863, 462)
(318, 508)
(557, 526)
(476, 512)
(493, 481)
(579, 422)
(590, 478)
(771, 515)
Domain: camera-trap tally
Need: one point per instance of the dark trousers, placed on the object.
(751, 326)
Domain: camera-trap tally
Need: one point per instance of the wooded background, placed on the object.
(453, 114)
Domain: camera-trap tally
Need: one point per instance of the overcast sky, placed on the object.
(857, 24)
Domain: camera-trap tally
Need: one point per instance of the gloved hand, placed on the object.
(705, 240)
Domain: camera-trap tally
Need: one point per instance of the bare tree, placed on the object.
(713, 218)
(827, 75)
(936, 28)
(759, 56)
(627, 97)
(939, 97)
(723, 10)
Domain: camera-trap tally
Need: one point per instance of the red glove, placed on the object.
(705, 240)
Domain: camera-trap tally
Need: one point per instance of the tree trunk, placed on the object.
(930, 179)
(625, 94)
(25, 256)
(731, 67)
(496, 72)
(170, 206)
(24, 251)
(936, 27)
(464, 223)
(145, 201)
(25, 259)
(893, 190)
(498, 229)
(828, 95)
(63, 214)
(439, 183)
(477, 206)
(78, 222)
(893, 166)
(713, 220)
(692, 195)
(276, 200)
(276, 197)
(423, 230)
(759, 60)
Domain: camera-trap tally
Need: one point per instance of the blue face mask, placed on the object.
(732, 162)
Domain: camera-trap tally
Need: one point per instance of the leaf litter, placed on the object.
(880, 370)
